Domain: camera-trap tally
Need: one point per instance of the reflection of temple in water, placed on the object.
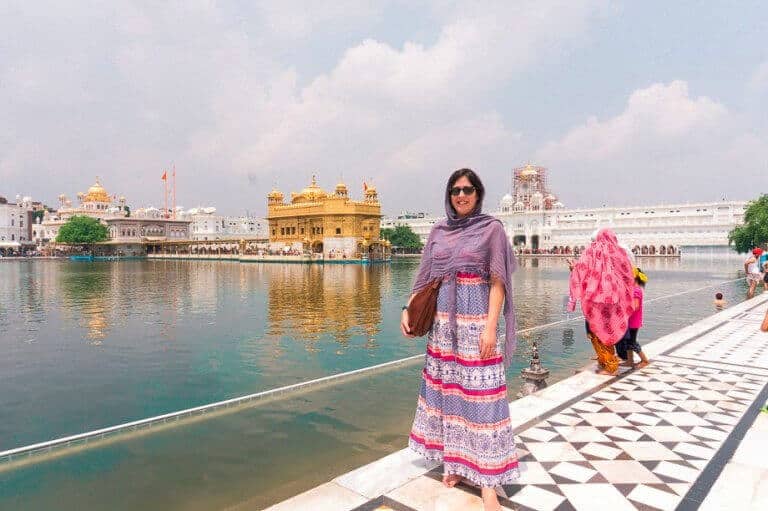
(311, 300)
(100, 297)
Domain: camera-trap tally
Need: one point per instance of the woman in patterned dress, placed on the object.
(462, 415)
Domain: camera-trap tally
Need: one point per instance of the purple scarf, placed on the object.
(477, 244)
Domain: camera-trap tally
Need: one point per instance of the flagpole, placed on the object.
(165, 195)
(174, 191)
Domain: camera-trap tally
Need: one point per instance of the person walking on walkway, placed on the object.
(603, 279)
(462, 414)
(636, 322)
(752, 269)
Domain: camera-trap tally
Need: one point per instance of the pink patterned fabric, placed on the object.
(636, 319)
(602, 279)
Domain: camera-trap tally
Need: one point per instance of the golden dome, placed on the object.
(529, 170)
(275, 194)
(97, 193)
(311, 193)
(341, 187)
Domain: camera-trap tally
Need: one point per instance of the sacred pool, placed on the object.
(91, 345)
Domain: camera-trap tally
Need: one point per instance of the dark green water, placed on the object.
(89, 345)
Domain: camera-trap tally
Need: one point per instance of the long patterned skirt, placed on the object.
(462, 416)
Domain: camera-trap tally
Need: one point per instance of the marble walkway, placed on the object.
(659, 438)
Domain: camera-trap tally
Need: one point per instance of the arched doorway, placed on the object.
(644, 250)
(671, 250)
(519, 240)
(535, 242)
(663, 250)
(317, 247)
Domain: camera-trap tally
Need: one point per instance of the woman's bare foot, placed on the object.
(627, 364)
(490, 500)
(451, 480)
(607, 373)
(642, 364)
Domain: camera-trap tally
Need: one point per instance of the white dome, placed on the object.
(507, 200)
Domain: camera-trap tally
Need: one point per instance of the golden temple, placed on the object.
(326, 223)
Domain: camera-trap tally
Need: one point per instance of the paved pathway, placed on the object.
(652, 439)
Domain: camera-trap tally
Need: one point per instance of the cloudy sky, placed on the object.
(625, 102)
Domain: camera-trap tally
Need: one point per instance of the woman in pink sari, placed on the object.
(603, 279)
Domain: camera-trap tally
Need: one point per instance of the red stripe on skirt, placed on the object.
(489, 392)
(464, 361)
(464, 461)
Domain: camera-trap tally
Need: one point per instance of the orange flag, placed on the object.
(165, 176)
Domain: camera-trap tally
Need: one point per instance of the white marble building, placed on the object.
(420, 223)
(123, 225)
(535, 220)
(207, 225)
(656, 229)
(15, 223)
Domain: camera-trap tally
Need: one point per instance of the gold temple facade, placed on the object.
(325, 223)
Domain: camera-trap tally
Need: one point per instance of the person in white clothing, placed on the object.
(752, 269)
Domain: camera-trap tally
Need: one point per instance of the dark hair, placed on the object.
(719, 296)
(473, 178)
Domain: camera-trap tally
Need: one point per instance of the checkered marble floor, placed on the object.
(640, 443)
(643, 441)
(738, 342)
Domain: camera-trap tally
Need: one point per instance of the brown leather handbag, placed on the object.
(422, 309)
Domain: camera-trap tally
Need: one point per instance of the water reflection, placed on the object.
(176, 334)
(337, 300)
(568, 337)
(87, 297)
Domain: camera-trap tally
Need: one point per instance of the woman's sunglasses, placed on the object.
(468, 190)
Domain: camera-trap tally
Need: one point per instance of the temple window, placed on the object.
(338, 230)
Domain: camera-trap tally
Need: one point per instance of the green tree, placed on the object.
(82, 230)
(402, 236)
(754, 232)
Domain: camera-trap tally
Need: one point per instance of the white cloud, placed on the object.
(664, 142)
(298, 19)
(759, 80)
(381, 109)
(120, 90)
